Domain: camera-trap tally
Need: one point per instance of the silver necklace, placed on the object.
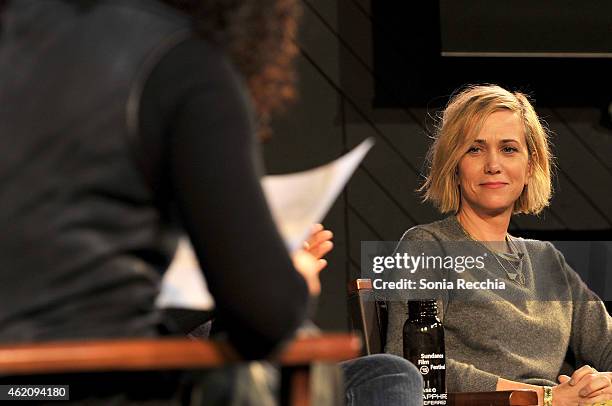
(514, 257)
(515, 274)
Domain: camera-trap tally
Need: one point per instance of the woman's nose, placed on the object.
(492, 165)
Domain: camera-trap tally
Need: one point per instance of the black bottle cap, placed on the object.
(422, 308)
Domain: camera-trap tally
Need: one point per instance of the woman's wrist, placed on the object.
(506, 384)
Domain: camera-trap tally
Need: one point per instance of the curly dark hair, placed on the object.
(258, 36)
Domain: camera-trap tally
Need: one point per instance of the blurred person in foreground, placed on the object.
(491, 159)
(123, 122)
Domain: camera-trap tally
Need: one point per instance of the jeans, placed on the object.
(382, 379)
(374, 380)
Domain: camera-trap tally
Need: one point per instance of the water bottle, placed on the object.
(424, 347)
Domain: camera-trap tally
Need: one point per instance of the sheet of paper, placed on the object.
(183, 285)
(296, 201)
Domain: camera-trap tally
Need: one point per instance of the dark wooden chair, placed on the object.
(369, 318)
(174, 354)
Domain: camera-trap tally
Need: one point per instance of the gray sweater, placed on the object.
(518, 333)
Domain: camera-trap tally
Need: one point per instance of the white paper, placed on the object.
(183, 285)
(296, 200)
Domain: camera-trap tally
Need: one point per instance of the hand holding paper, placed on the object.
(297, 201)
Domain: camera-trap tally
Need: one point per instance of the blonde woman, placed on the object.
(490, 160)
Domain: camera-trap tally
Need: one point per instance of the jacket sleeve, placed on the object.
(214, 167)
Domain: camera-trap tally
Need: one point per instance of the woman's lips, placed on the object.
(493, 185)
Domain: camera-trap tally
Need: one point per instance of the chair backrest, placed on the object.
(368, 316)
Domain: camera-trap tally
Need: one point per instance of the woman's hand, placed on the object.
(568, 395)
(585, 387)
(309, 267)
(308, 261)
(319, 243)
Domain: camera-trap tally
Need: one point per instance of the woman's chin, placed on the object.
(493, 208)
(489, 204)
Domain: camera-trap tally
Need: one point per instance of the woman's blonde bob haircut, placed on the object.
(460, 123)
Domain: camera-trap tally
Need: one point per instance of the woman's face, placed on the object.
(495, 167)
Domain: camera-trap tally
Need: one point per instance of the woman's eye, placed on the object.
(509, 150)
(473, 150)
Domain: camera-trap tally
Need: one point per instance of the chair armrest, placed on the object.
(160, 354)
(520, 397)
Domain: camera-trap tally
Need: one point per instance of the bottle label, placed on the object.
(433, 367)
(431, 397)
